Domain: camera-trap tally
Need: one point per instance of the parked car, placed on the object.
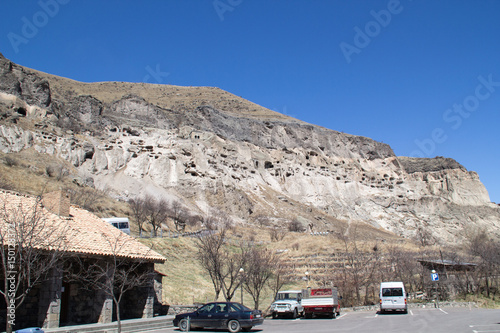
(393, 297)
(321, 302)
(220, 315)
(287, 303)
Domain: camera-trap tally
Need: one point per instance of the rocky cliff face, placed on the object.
(209, 148)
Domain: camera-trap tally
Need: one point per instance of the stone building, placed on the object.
(60, 300)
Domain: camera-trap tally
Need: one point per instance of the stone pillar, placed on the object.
(106, 314)
(150, 298)
(49, 305)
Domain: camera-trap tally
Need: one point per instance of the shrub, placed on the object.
(295, 226)
(10, 162)
(277, 234)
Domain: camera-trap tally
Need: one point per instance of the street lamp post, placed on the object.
(241, 271)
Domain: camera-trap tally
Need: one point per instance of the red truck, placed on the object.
(320, 302)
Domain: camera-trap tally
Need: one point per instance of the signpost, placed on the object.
(435, 278)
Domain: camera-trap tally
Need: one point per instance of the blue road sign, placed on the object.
(434, 276)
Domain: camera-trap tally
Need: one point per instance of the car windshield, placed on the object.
(392, 292)
(284, 296)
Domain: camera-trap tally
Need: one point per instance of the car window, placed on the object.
(207, 308)
(221, 307)
(285, 296)
(397, 291)
(238, 307)
(387, 292)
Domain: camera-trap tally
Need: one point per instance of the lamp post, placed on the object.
(241, 271)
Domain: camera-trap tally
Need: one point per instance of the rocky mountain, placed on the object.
(211, 149)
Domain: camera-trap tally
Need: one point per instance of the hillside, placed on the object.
(210, 149)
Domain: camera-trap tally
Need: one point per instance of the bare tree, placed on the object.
(404, 267)
(217, 219)
(231, 277)
(281, 275)
(259, 270)
(31, 246)
(113, 275)
(487, 250)
(156, 212)
(177, 214)
(138, 208)
(359, 267)
(209, 254)
(221, 262)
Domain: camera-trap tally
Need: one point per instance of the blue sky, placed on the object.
(422, 75)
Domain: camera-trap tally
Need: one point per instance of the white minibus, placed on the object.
(393, 297)
(120, 223)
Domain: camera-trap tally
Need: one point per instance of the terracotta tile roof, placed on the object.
(81, 233)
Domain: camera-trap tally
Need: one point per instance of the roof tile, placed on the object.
(81, 233)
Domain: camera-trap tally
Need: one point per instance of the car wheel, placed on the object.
(184, 325)
(275, 315)
(233, 326)
(294, 314)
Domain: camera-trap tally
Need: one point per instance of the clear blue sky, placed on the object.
(422, 75)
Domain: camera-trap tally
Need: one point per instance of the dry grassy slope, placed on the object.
(26, 172)
(165, 96)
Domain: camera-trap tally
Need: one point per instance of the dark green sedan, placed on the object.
(232, 316)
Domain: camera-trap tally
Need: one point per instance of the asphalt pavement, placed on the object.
(428, 320)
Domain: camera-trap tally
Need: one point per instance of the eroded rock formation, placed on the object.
(209, 148)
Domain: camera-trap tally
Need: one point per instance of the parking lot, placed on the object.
(417, 320)
(455, 320)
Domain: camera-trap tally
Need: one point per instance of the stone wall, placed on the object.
(176, 309)
(84, 305)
